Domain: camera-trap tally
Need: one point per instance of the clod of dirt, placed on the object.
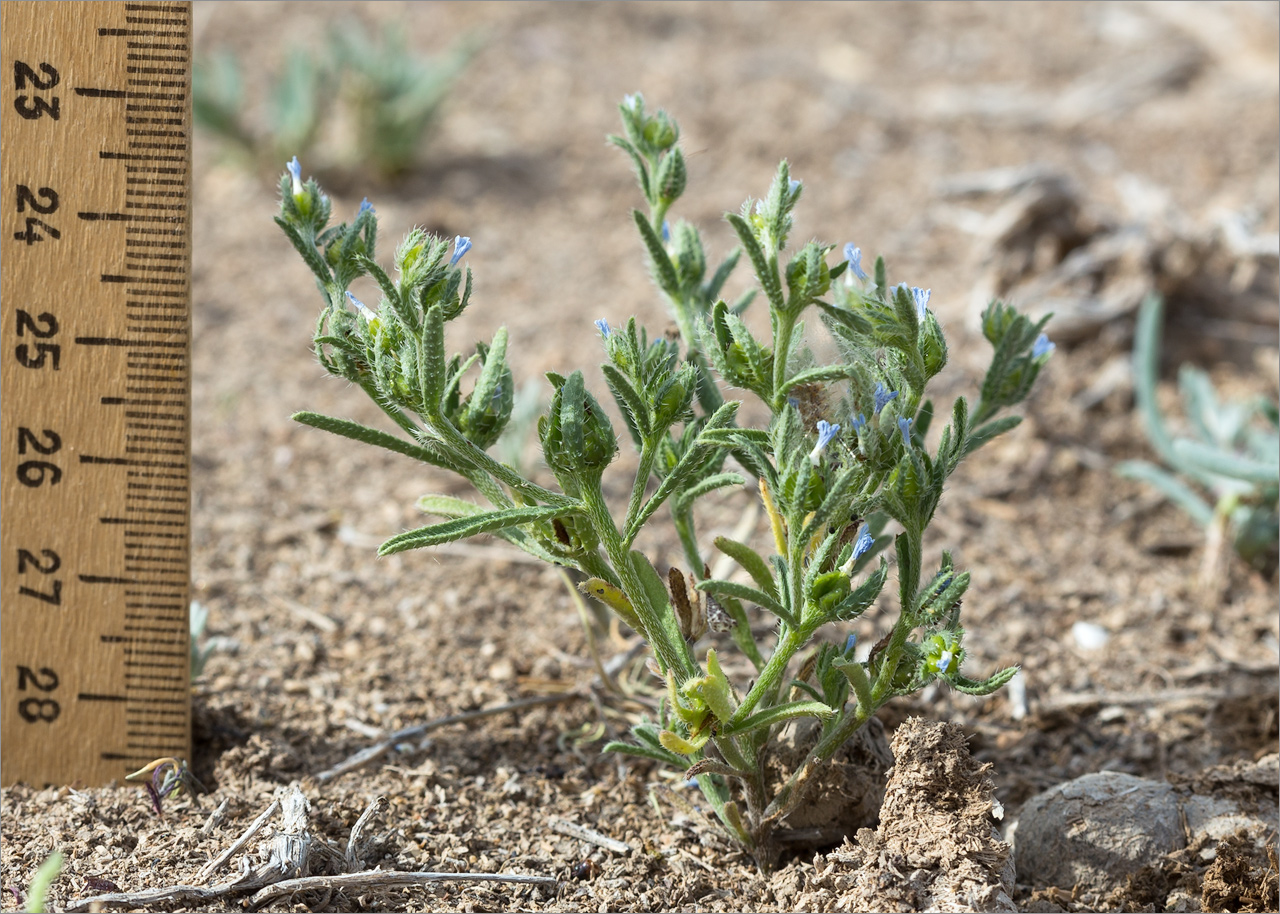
(1242, 878)
(1223, 799)
(935, 849)
(849, 790)
(1095, 831)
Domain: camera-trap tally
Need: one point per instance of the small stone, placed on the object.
(1089, 636)
(1094, 831)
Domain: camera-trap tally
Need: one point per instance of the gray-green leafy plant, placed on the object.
(843, 456)
(41, 882)
(201, 648)
(1226, 471)
(391, 97)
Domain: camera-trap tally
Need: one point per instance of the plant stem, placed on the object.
(647, 455)
(783, 329)
(683, 519)
(671, 657)
(791, 640)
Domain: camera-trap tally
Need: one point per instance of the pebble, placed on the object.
(1089, 636)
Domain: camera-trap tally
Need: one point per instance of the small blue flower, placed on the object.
(365, 207)
(854, 256)
(826, 432)
(904, 426)
(362, 307)
(792, 186)
(666, 232)
(1042, 346)
(793, 402)
(295, 172)
(632, 101)
(859, 423)
(922, 301)
(882, 396)
(861, 546)
(461, 244)
(849, 644)
(603, 326)
(894, 290)
(944, 661)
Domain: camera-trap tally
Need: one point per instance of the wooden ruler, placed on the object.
(95, 361)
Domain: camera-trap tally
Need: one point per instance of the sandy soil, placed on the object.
(875, 105)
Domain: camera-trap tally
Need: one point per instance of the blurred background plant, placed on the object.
(388, 98)
(1226, 474)
(41, 881)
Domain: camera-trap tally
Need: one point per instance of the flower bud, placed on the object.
(661, 132)
(576, 434)
(828, 590)
(672, 176)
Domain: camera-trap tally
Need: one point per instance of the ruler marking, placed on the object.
(154, 712)
(134, 157)
(90, 696)
(154, 665)
(156, 46)
(141, 33)
(119, 341)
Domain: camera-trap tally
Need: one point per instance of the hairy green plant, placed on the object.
(1226, 473)
(842, 460)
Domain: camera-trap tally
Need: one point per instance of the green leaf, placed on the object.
(777, 714)
(1146, 372)
(463, 527)
(735, 437)
(448, 506)
(856, 673)
(684, 469)
(836, 502)
(820, 374)
(634, 408)
(982, 686)
(984, 433)
(406, 315)
(642, 170)
(432, 365)
(308, 251)
(864, 595)
(655, 591)
(1171, 487)
(1209, 459)
(657, 755)
(664, 271)
(751, 561)
(357, 432)
(710, 484)
(766, 273)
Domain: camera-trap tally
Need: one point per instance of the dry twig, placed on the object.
(290, 855)
(591, 836)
